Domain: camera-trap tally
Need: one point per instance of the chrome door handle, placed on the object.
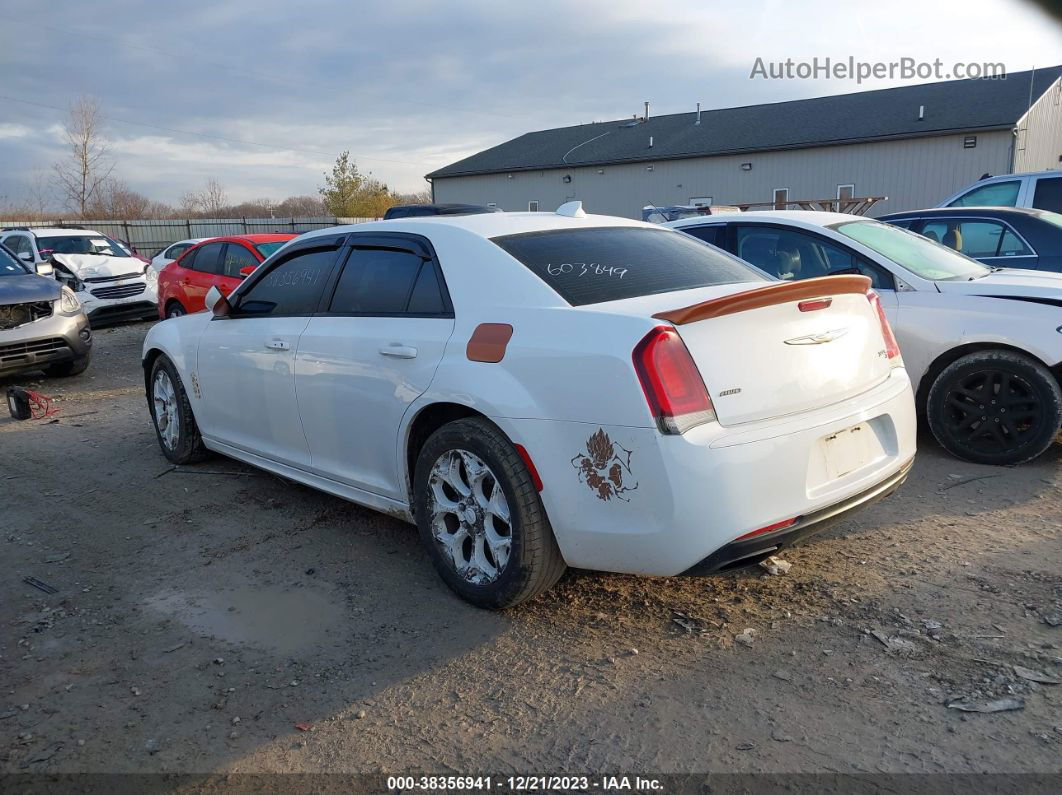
(278, 345)
(399, 352)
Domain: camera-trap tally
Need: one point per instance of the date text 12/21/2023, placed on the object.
(543, 783)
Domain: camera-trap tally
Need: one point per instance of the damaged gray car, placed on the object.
(42, 324)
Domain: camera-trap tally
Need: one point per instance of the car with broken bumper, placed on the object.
(542, 390)
(110, 282)
(42, 324)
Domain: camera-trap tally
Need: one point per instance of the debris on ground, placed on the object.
(775, 565)
(40, 585)
(998, 705)
(303, 727)
(747, 637)
(1036, 676)
(893, 643)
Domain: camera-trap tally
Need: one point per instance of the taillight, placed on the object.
(892, 349)
(672, 384)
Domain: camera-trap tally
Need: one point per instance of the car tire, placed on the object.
(995, 407)
(175, 309)
(171, 414)
(67, 369)
(495, 563)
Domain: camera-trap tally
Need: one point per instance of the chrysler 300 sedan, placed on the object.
(541, 390)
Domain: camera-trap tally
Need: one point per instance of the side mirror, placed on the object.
(217, 303)
(247, 271)
(45, 269)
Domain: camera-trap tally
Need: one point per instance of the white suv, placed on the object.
(110, 283)
(1039, 189)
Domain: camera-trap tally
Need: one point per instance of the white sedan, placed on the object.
(983, 345)
(173, 251)
(536, 390)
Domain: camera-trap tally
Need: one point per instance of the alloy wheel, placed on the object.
(992, 411)
(164, 397)
(470, 519)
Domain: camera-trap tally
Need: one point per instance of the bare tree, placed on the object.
(215, 198)
(39, 194)
(116, 200)
(87, 164)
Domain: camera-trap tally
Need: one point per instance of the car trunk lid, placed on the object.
(784, 348)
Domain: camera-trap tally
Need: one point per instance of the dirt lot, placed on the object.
(214, 618)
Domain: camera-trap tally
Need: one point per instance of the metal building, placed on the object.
(915, 144)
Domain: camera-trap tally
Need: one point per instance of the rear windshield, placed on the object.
(589, 266)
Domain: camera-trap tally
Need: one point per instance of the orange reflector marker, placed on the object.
(818, 303)
(526, 458)
(769, 529)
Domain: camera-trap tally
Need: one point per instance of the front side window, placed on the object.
(236, 258)
(917, 254)
(292, 287)
(998, 194)
(589, 266)
(80, 244)
(1048, 195)
(977, 239)
(793, 255)
(377, 281)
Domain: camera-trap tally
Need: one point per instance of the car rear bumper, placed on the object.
(634, 500)
(53, 340)
(747, 552)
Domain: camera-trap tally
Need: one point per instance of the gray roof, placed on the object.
(953, 106)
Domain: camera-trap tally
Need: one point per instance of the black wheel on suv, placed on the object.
(174, 309)
(995, 407)
(67, 369)
(480, 516)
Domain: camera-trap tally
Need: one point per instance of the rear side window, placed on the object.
(709, 234)
(379, 281)
(1048, 194)
(589, 266)
(292, 287)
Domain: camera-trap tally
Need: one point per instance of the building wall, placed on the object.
(913, 173)
(1039, 141)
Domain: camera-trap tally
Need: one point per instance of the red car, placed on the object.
(221, 261)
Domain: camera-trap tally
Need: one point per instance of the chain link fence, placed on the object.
(150, 237)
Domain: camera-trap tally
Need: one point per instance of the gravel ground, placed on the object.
(215, 618)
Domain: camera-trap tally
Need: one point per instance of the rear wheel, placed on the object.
(480, 516)
(995, 407)
(175, 425)
(174, 309)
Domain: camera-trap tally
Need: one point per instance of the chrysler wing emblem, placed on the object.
(818, 339)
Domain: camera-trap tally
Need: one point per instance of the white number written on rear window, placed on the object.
(585, 269)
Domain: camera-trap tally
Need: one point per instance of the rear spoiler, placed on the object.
(766, 296)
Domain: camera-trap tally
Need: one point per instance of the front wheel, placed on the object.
(995, 407)
(67, 369)
(175, 425)
(174, 309)
(480, 516)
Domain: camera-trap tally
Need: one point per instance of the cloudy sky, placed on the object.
(262, 95)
